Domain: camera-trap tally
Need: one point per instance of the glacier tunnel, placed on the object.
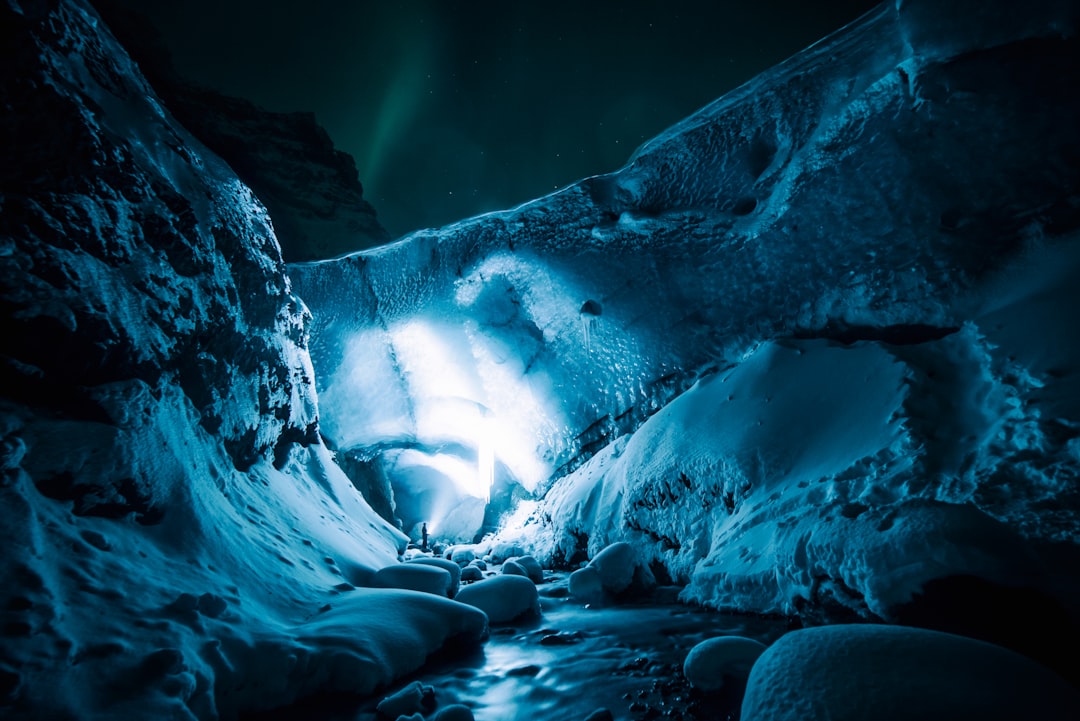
(779, 419)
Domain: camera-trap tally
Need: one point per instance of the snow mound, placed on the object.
(586, 586)
(612, 572)
(619, 568)
(712, 661)
(502, 598)
(891, 673)
(447, 565)
(530, 566)
(416, 576)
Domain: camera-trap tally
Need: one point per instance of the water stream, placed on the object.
(572, 661)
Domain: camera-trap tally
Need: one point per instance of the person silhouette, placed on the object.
(423, 537)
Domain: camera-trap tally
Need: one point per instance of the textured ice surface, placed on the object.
(868, 247)
(847, 193)
(860, 268)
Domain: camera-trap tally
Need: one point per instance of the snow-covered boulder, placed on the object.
(505, 550)
(461, 555)
(891, 673)
(715, 660)
(586, 585)
(363, 642)
(447, 565)
(613, 571)
(531, 567)
(502, 598)
(471, 573)
(616, 565)
(416, 577)
(513, 568)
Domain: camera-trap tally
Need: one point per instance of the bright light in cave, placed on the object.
(462, 391)
(485, 457)
(451, 412)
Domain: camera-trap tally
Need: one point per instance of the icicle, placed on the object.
(586, 326)
(590, 311)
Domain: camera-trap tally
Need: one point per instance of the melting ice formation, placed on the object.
(811, 350)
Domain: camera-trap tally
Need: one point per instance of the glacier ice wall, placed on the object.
(880, 187)
(177, 541)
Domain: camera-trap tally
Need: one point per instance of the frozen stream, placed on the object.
(571, 662)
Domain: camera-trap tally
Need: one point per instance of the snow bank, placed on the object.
(814, 474)
(890, 673)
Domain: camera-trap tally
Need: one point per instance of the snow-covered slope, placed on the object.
(870, 249)
(176, 541)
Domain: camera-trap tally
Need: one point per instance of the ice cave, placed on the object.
(779, 420)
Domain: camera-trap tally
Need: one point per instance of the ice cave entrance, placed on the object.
(449, 416)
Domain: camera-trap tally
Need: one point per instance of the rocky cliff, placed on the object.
(311, 189)
(177, 542)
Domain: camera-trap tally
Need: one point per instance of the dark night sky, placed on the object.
(456, 107)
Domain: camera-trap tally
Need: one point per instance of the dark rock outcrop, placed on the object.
(311, 189)
(165, 500)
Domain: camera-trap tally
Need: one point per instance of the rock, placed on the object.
(311, 189)
(893, 673)
(471, 573)
(529, 670)
(727, 657)
(502, 598)
(554, 591)
(412, 699)
(447, 565)
(415, 576)
(562, 638)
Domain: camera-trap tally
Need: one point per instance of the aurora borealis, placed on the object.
(456, 108)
